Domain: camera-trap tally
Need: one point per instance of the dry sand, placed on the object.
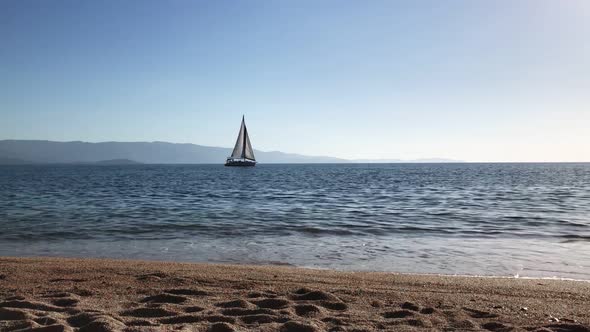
(53, 294)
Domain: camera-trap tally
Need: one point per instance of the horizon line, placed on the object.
(386, 160)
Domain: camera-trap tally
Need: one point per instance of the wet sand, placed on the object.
(54, 294)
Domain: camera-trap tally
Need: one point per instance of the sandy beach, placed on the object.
(54, 294)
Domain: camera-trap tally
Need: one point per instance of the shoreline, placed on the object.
(289, 265)
(80, 294)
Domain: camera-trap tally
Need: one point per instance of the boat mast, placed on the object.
(244, 139)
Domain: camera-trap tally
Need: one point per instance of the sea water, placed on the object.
(529, 220)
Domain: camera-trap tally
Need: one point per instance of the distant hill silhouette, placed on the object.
(37, 151)
(418, 161)
(33, 151)
(117, 162)
(13, 161)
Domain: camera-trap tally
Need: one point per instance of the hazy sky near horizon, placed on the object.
(503, 80)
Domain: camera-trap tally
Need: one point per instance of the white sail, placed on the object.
(243, 147)
(248, 152)
(239, 147)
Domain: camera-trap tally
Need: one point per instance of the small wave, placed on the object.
(574, 237)
(465, 209)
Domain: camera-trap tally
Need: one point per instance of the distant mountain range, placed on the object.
(110, 153)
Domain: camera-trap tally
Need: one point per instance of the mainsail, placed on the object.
(243, 148)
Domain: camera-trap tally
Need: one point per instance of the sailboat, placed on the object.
(242, 155)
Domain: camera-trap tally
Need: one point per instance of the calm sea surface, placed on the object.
(479, 219)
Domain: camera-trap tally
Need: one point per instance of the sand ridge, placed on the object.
(55, 294)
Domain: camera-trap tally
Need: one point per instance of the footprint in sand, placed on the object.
(398, 314)
(53, 328)
(465, 324)
(103, 323)
(165, 298)
(60, 294)
(17, 325)
(262, 319)
(15, 298)
(234, 304)
(45, 321)
(140, 322)
(410, 306)
(30, 305)
(474, 313)
(218, 318)
(157, 276)
(185, 291)
(495, 326)
(63, 299)
(246, 312)
(416, 322)
(82, 319)
(82, 292)
(220, 327)
(339, 306)
(274, 303)
(185, 319)
(95, 321)
(148, 312)
(305, 294)
(267, 294)
(307, 310)
(568, 328)
(376, 304)
(324, 299)
(68, 280)
(193, 309)
(428, 311)
(303, 290)
(14, 314)
(188, 319)
(293, 326)
(65, 302)
(335, 321)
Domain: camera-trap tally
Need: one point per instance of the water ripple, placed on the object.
(360, 216)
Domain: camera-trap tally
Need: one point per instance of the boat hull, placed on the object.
(240, 163)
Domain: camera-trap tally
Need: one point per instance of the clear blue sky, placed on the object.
(502, 80)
